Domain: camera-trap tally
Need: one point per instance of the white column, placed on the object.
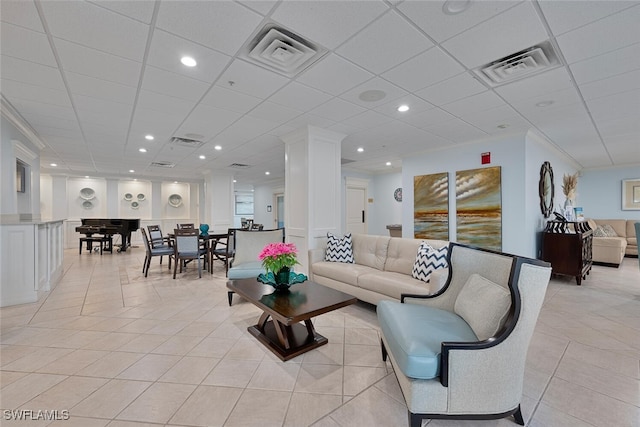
(313, 202)
(59, 207)
(218, 200)
(113, 198)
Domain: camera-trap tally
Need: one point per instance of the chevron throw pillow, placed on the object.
(339, 250)
(428, 260)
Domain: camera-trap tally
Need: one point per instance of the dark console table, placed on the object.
(567, 246)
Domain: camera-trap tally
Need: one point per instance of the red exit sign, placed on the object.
(486, 158)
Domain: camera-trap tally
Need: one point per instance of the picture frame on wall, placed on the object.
(21, 177)
(631, 194)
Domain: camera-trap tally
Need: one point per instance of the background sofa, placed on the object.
(382, 269)
(611, 250)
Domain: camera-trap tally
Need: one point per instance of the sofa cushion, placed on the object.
(401, 255)
(370, 250)
(245, 270)
(394, 284)
(618, 225)
(339, 249)
(614, 242)
(484, 305)
(414, 334)
(428, 260)
(342, 272)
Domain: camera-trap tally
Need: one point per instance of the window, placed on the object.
(244, 204)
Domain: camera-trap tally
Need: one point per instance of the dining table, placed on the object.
(210, 241)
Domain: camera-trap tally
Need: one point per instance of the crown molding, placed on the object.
(20, 123)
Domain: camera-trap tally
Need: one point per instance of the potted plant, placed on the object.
(278, 259)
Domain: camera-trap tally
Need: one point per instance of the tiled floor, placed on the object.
(118, 350)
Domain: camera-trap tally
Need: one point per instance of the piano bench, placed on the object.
(105, 242)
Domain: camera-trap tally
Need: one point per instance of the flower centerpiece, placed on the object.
(278, 259)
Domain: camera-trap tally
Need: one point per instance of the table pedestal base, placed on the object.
(284, 341)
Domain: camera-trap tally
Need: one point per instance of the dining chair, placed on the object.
(156, 238)
(185, 226)
(225, 250)
(187, 248)
(151, 252)
(257, 227)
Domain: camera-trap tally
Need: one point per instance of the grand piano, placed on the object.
(110, 226)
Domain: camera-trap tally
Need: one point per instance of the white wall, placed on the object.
(384, 210)
(263, 196)
(600, 192)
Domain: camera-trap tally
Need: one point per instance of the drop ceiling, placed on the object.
(92, 78)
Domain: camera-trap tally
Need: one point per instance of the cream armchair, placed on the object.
(461, 353)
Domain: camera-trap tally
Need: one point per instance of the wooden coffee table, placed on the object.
(285, 335)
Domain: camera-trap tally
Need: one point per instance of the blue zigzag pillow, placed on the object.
(428, 260)
(339, 250)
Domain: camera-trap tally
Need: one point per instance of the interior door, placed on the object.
(280, 210)
(356, 210)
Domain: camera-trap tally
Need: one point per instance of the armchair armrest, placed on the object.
(162, 241)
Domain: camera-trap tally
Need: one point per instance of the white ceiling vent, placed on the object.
(239, 166)
(185, 142)
(281, 50)
(525, 63)
(162, 164)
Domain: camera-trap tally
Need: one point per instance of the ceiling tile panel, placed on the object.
(367, 120)
(221, 25)
(457, 131)
(391, 92)
(263, 7)
(429, 16)
(310, 120)
(534, 86)
(337, 109)
(428, 118)
(610, 33)
(415, 104)
(619, 105)
(27, 92)
(88, 86)
(608, 64)
(252, 80)
(164, 103)
(222, 97)
(31, 73)
(334, 75)
(100, 65)
(50, 110)
(611, 85)
(488, 120)
(139, 10)
(520, 28)
(474, 103)
(166, 51)
(207, 121)
(562, 17)
(26, 44)
(22, 13)
(274, 112)
(172, 84)
(385, 43)
(95, 27)
(424, 70)
(618, 126)
(458, 87)
(300, 97)
(242, 131)
(329, 23)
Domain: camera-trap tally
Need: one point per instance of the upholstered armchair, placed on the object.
(248, 245)
(461, 352)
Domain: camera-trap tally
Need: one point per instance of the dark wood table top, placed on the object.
(302, 302)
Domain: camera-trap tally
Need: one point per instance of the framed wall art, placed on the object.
(631, 194)
(431, 206)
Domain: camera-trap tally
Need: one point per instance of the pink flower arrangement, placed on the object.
(275, 256)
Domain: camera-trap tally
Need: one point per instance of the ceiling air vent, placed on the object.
(281, 50)
(239, 166)
(525, 63)
(185, 142)
(163, 164)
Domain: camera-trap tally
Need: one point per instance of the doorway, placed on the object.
(279, 210)
(356, 206)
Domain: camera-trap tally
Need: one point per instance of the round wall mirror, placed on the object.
(546, 189)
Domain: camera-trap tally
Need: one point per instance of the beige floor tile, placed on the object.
(322, 379)
(177, 345)
(359, 378)
(232, 373)
(190, 370)
(546, 416)
(110, 399)
(11, 353)
(72, 362)
(326, 422)
(213, 347)
(208, 406)
(150, 367)
(110, 324)
(158, 403)
(7, 377)
(272, 375)
(111, 365)
(247, 348)
(26, 388)
(306, 408)
(199, 329)
(75, 421)
(83, 338)
(139, 326)
(66, 394)
(361, 336)
(390, 386)
(363, 355)
(260, 408)
(168, 327)
(111, 341)
(36, 359)
(144, 343)
(328, 354)
(371, 408)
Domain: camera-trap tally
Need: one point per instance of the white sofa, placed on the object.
(382, 269)
(611, 250)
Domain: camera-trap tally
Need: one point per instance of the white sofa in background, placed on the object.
(611, 250)
(382, 269)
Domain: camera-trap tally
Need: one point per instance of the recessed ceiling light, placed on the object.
(217, 147)
(188, 61)
(202, 156)
(454, 7)
(544, 103)
(388, 163)
(86, 176)
(175, 182)
(148, 137)
(142, 150)
(360, 149)
(54, 164)
(267, 173)
(235, 180)
(403, 108)
(372, 95)
(131, 171)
